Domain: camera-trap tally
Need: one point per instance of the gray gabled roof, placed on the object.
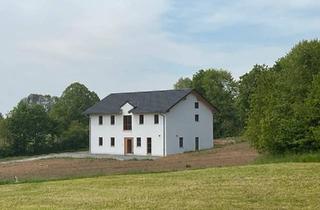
(144, 102)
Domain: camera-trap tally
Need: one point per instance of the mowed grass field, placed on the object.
(269, 186)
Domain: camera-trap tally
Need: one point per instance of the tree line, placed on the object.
(57, 125)
(276, 108)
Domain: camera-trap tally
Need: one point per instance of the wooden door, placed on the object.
(128, 146)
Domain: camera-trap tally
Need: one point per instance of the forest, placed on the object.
(276, 108)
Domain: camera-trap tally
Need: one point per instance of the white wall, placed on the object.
(148, 129)
(180, 122)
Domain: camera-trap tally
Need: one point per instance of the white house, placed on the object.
(157, 123)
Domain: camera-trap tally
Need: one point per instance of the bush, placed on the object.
(75, 137)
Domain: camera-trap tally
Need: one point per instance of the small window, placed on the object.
(138, 141)
(196, 105)
(112, 119)
(100, 141)
(112, 141)
(149, 145)
(141, 119)
(196, 118)
(100, 120)
(196, 143)
(127, 122)
(156, 119)
(181, 142)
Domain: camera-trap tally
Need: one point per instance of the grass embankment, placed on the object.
(271, 186)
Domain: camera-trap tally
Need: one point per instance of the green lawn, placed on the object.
(270, 186)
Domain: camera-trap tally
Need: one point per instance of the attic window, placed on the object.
(100, 120)
(196, 105)
(156, 119)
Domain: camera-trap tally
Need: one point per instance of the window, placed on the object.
(100, 141)
(196, 143)
(100, 120)
(138, 141)
(181, 142)
(196, 118)
(112, 141)
(156, 119)
(112, 119)
(149, 145)
(141, 119)
(127, 122)
(196, 105)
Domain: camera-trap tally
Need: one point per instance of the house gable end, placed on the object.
(200, 98)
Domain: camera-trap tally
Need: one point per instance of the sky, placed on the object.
(132, 45)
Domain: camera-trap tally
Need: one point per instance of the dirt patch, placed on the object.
(229, 155)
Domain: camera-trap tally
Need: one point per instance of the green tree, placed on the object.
(219, 87)
(183, 83)
(71, 124)
(5, 149)
(70, 106)
(3, 131)
(277, 119)
(29, 128)
(247, 86)
(313, 111)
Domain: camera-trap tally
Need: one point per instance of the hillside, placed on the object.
(55, 168)
(271, 186)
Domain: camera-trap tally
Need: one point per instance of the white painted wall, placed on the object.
(148, 129)
(180, 122)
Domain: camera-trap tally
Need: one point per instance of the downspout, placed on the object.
(164, 133)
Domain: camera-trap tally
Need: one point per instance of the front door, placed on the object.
(128, 146)
(149, 146)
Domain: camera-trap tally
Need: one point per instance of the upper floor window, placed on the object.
(127, 122)
(100, 120)
(181, 142)
(138, 141)
(100, 141)
(196, 118)
(196, 105)
(156, 119)
(141, 119)
(112, 141)
(112, 119)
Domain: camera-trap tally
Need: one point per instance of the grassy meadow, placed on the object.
(270, 186)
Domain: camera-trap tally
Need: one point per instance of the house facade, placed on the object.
(157, 123)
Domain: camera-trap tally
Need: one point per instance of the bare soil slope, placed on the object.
(229, 155)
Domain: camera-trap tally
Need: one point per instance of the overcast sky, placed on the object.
(117, 45)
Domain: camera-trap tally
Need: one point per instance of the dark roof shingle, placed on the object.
(143, 102)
